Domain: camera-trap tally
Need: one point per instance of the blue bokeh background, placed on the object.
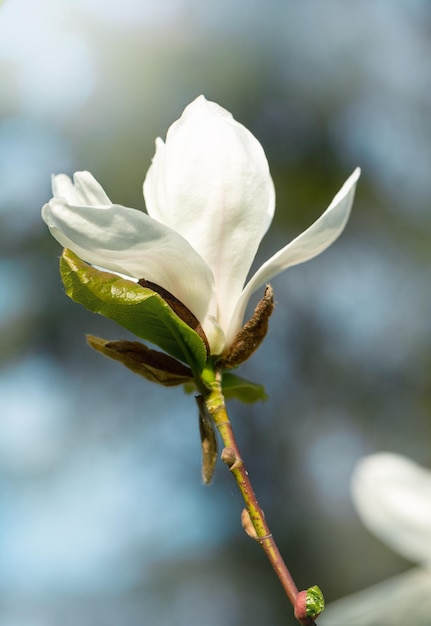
(103, 518)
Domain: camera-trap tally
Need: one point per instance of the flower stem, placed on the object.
(253, 518)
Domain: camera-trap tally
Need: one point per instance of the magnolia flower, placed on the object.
(392, 495)
(210, 199)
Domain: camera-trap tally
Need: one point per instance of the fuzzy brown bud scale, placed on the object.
(151, 364)
(251, 334)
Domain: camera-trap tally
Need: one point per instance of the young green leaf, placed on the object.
(140, 310)
(315, 602)
(241, 389)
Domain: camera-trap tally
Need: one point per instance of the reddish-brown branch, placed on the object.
(253, 518)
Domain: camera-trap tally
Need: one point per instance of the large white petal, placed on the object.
(211, 183)
(392, 495)
(84, 190)
(130, 242)
(307, 245)
(403, 600)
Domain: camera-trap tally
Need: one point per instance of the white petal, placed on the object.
(392, 495)
(307, 245)
(84, 190)
(214, 333)
(403, 600)
(211, 183)
(132, 243)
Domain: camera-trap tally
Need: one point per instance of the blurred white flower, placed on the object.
(392, 495)
(210, 200)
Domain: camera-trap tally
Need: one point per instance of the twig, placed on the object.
(253, 518)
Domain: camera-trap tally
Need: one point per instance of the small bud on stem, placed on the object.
(247, 524)
(308, 605)
(228, 456)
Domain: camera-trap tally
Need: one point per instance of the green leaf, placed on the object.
(140, 310)
(315, 602)
(234, 386)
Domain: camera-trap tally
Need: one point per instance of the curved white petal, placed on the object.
(84, 190)
(214, 333)
(210, 182)
(130, 242)
(392, 495)
(403, 600)
(307, 245)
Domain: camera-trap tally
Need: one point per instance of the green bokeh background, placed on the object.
(103, 518)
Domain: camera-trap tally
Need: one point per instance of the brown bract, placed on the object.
(151, 364)
(251, 334)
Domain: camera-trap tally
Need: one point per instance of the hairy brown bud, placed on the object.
(251, 334)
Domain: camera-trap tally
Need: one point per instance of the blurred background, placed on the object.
(103, 517)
